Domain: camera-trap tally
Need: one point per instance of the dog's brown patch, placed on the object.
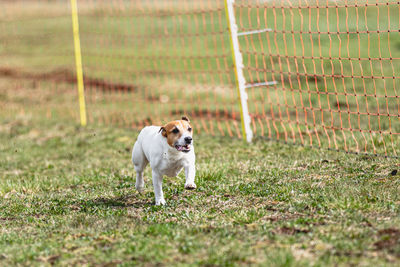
(175, 129)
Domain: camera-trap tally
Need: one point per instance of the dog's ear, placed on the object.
(163, 131)
(185, 118)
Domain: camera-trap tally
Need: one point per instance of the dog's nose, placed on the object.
(188, 139)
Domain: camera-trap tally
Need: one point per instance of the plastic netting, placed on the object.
(157, 60)
(335, 63)
(146, 62)
(37, 60)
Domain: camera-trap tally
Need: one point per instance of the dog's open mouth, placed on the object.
(185, 148)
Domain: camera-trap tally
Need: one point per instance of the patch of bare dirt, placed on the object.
(388, 239)
(220, 113)
(209, 113)
(292, 230)
(67, 76)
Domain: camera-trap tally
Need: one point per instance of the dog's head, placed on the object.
(179, 134)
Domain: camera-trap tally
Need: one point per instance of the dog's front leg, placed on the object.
(158, 193)
(190, 172)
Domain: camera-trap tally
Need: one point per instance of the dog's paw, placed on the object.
(140, 188)
(160, 202)
(190, 186)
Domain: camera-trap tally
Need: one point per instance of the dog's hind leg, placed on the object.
(139, 162)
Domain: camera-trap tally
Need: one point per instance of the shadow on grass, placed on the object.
(126, 201)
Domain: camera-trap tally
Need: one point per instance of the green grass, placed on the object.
(68, 197)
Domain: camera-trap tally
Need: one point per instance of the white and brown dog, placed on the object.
(168, 148)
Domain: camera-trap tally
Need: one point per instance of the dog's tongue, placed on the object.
(179, 148)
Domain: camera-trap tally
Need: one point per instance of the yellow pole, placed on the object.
(235, 70)
(78, 61)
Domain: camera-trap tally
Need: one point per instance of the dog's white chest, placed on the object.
(171, 166)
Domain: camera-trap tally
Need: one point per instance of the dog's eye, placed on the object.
(189, 129)
(175, 131)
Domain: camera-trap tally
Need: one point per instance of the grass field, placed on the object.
(67, 193)
(68, 197)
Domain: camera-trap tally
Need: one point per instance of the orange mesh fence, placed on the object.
(154, 61)
(144, 62)
(37, 60)
(335, 64)
(331, 66)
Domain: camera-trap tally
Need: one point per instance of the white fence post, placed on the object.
(238, 65)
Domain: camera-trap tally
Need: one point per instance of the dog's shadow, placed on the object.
(126, 201)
